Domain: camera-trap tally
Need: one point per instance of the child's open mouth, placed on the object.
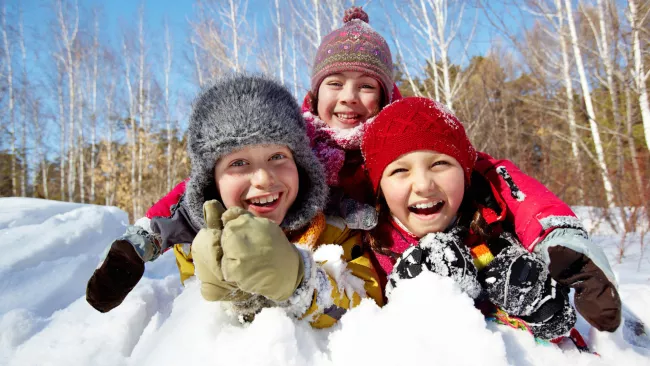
(264, 204)
(428, 208)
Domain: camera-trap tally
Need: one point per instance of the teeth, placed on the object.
(425, 205)
(265, 199)
(347, 115)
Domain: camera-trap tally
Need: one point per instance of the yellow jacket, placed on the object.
(342, 272)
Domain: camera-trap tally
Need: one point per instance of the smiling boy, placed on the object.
(249, 152)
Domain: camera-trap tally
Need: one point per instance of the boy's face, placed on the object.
(423, 190)
(347, 99)
(262, 179)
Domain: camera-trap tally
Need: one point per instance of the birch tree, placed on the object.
(80, 141)
(219, 35)
(278, 27)
(141, 109)
(23, 155)
(93, 119)
(109, 190)
(10, 97)
(640, 75)
(132, 133)
(584, 83)
(67, 38)
(430, 21)
(167, 72)
(40, 148)
(61, 118)
(601, 34)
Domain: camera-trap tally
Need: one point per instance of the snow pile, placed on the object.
(52, 248)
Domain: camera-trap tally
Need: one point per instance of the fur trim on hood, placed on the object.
(240, 110)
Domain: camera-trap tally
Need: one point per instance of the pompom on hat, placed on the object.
(354, 47)
(412, 124)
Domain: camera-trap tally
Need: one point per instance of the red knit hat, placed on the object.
(354, 47)
(412, 124)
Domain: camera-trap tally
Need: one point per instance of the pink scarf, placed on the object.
(330, 144)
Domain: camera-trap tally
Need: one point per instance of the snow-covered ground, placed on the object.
(50, 249)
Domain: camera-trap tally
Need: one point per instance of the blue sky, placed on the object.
(118, 17)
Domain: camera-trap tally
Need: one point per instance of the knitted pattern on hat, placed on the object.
(354, 47)
(237, 111)
(412, 124)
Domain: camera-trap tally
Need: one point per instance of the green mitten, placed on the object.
(207, 254)
(258, 257)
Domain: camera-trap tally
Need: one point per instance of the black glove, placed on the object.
(441, 253)
(596, 297)
(514, 280)
(554, 316)
(115, 278)
(518, 282)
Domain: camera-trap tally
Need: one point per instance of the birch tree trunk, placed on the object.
(632, 146)
(108, 187)
(80, 148)
(167, 71)
(40, 150)
(431, 44)
(234, 17)
(640, 76)
(23, 107)
(93, 121)
(571, 117)
(278, 27)
(63, 153)
(294, 66)
(10, 98)
(440, 11)
(68, 38)
(132, 132)
(141, 113)
(584, 83)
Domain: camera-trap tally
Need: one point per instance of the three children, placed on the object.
(351, 83)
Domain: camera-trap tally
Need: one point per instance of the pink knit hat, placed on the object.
(354, 47)
(412, 124)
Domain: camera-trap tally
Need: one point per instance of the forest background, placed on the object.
(94, 99)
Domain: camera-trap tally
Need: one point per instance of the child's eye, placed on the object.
(440, 162)
(237, 163)
(397, 171)
(367, 86)
(278, 156)
(335, 83)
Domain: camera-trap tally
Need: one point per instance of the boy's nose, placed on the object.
(262, 178)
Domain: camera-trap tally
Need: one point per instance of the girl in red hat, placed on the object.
(438, 212)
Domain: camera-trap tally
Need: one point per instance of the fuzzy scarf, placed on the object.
(330, 144)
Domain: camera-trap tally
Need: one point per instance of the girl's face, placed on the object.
(348, 99)
(262, 179)
(423, 190)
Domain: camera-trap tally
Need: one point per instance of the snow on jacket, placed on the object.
(343, 273)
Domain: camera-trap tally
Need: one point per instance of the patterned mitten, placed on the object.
(441, 253)
(514, 280)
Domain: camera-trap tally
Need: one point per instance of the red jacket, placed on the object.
(524, 203)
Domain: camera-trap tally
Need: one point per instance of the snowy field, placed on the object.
(50, 249)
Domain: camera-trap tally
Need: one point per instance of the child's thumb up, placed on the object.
(212, 211)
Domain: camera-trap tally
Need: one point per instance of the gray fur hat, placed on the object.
(240, 110)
